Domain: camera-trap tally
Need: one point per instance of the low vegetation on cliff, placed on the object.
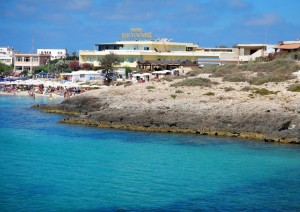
(195, 82)
(264, 91)
(294, 88)
(278, 70)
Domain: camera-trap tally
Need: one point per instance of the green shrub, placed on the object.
(277, 70)
(128, 83)
(150, 87)
(264, 91)
(260, 80)
(227, 89)
(179, 91)
(194, 73)
(294, 88)
(173, 96)
(125, 83)
(209, 94)
(251, 95)
(194, 82)
(236, 77)
(167, 78)
(180, 77)
(247, 88)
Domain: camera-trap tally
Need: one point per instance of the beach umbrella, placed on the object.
(9, 79)
(37, 82)
(52, 84)
(29, 82)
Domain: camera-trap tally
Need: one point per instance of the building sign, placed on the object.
(136, 33)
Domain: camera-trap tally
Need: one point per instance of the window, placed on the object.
(146, 48)
(19, 59)
(26, 68)
(18, 68)
(26, 59)
(35, 59)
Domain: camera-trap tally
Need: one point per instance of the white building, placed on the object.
(54, 53)
(6, 55)
(134, 53)
(218, 55)
(249, 52)
(82, 76)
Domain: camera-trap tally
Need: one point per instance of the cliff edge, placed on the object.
(161, 107)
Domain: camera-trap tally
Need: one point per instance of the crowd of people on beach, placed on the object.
(41, 89)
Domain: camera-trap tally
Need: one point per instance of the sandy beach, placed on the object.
(25, 93)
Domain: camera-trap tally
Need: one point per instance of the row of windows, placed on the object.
(164, 48)
(45, 52)
(135, 48)
(132, 59)
(49, 52)
(27, 59)
(22, 68)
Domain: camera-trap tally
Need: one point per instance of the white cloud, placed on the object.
(26, 9)
(78, 4)
(237, 3)
(266, 19)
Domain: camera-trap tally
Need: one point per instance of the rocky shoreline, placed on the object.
(225, 114)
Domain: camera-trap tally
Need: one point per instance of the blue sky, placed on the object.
(79, 24)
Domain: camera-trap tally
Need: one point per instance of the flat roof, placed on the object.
(163, 42)
(105, 44)
(28, 54)
(288, 46)
(252, 45)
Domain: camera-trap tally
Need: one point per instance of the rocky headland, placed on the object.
(223, 109)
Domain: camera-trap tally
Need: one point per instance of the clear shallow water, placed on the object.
(46, 166)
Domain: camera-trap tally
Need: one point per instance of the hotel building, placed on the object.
(26, 62)
(249, 52)
(133, 52)
(146, 54)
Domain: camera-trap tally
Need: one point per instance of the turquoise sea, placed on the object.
(47, 166)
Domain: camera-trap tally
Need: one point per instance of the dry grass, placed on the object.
(264, 91)
(294, 88)
(195, 82)
(278, 70)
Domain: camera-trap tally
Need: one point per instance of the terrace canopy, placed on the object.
(150, 65)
